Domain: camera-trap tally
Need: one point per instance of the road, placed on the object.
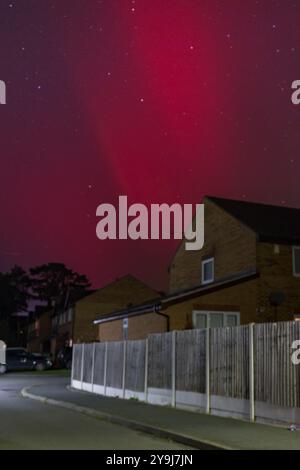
(27, 424)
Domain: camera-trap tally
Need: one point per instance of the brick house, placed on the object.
(247, 271)
(125, 292)
(62, 325)
(50, 330)
(39, 333)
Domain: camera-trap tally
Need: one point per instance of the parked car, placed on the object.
(64, 357)
(20, 359)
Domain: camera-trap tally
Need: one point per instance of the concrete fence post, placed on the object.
(124, 369)
(82, 365)
(146, 369)
(93, 366)
(207, 371)
(73, 364)
(251, 373)
(174, 368)
(105, 369)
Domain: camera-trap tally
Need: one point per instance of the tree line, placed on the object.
(52, 284)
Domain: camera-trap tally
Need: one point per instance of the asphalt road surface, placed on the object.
(27, 424)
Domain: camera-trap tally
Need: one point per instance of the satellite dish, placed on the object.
(276, 298)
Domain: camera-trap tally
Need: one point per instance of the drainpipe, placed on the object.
(167, 317)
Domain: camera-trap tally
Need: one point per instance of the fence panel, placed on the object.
(276, 377)
(135, 365)
(77, 361)
(190, 360)
(160, 362)
(115, 355)
(88, 363)
(99, 363)
(229, 362)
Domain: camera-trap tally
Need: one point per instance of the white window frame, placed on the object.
(295, 248)
(209, 312)
(204, 262)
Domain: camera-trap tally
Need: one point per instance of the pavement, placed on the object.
(196, 430)
(30, 425)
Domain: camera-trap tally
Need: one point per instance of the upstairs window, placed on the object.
(208, 270)
(296, 261)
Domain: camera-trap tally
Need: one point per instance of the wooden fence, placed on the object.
(244, 371)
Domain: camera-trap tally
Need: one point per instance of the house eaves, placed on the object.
(159, 305)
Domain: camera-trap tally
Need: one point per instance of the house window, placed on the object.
(216, 320)
(208, 270)
(125, 329)
(200, 321)
(232, 320)
(296, 261)
(206, 319)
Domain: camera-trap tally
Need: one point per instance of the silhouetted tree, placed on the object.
(58, 285)
(14, 292)
(14, 297)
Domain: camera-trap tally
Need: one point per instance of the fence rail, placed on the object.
(243, 371)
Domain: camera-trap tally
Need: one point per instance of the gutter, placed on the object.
(206, 289)
(164, 303)
(130, 312)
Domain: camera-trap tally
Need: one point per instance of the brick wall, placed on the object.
(240, 298)
(43, 330)
(276, 268)
(139, 327)
(117, 295)
(232, 244)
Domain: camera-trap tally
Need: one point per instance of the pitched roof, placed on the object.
(277, 224)
(126, 292)
(158, 304)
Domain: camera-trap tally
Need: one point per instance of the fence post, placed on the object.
(93, 366)
(105, 369)
(207, 370)
(146, 369)
(82, 366)
(251, 373)
(73, 364)
(124, 368)
(174, 368)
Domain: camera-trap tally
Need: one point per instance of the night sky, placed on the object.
(160, 100)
